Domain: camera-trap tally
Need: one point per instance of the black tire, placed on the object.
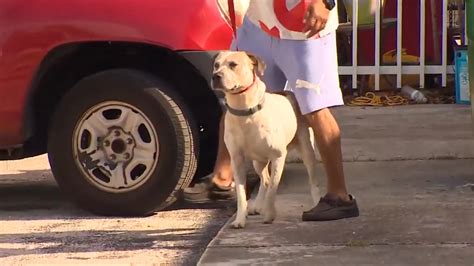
(174, 127)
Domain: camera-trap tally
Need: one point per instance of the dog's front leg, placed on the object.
(256, 205)
(277, 166)
(240, 178)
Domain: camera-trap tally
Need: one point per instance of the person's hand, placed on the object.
(315, 18)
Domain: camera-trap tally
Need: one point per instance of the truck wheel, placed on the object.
(122, 143)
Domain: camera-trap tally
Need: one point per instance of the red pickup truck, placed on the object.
(116, 92)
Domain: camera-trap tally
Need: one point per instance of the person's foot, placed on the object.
(332, 208)
(207, 190)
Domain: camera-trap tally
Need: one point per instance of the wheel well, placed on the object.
(68, 64)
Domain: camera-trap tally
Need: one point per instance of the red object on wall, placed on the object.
(410, 31)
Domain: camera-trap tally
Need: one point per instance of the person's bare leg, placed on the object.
(328, 140)
(221, 178)
(222, 168)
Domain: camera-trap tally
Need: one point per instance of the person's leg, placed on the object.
(328, 141)
(311, 68)
(222, 174)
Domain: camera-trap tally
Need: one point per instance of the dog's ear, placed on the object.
(214, 58)
(258, 64)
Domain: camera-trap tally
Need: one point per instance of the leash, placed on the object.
(259, 106)
(233, 20)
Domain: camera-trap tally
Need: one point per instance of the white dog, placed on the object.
(259, 126)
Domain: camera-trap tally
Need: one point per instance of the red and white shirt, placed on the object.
(284, 18)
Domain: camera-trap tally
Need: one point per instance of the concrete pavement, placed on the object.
(412, 171)
(39, 226)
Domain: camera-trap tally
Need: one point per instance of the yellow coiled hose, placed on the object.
(371, 99)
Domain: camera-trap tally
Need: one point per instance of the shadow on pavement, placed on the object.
(36, 190)
(36, 219)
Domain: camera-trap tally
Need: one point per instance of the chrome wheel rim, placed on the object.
(115, 146)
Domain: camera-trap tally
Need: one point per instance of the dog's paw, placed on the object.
(253, 208)
(270, 216)
(270, 221)
(237, 224)
(253, 211)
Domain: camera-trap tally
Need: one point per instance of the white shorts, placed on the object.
(309, 66)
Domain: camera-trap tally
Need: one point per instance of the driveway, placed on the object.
(39, 225)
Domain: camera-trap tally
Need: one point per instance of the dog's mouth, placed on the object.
(217, 87)
(236, 88)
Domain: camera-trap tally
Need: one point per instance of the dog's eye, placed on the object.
(232, 65)
(216, 65)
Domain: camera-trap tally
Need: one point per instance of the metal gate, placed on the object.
(399, 69)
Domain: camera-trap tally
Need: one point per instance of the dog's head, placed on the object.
(235, 70)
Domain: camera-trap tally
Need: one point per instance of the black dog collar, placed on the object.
(246, 112)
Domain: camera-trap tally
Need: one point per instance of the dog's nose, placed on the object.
(217, 77)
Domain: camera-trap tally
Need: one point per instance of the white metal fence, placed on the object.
(399, 69)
